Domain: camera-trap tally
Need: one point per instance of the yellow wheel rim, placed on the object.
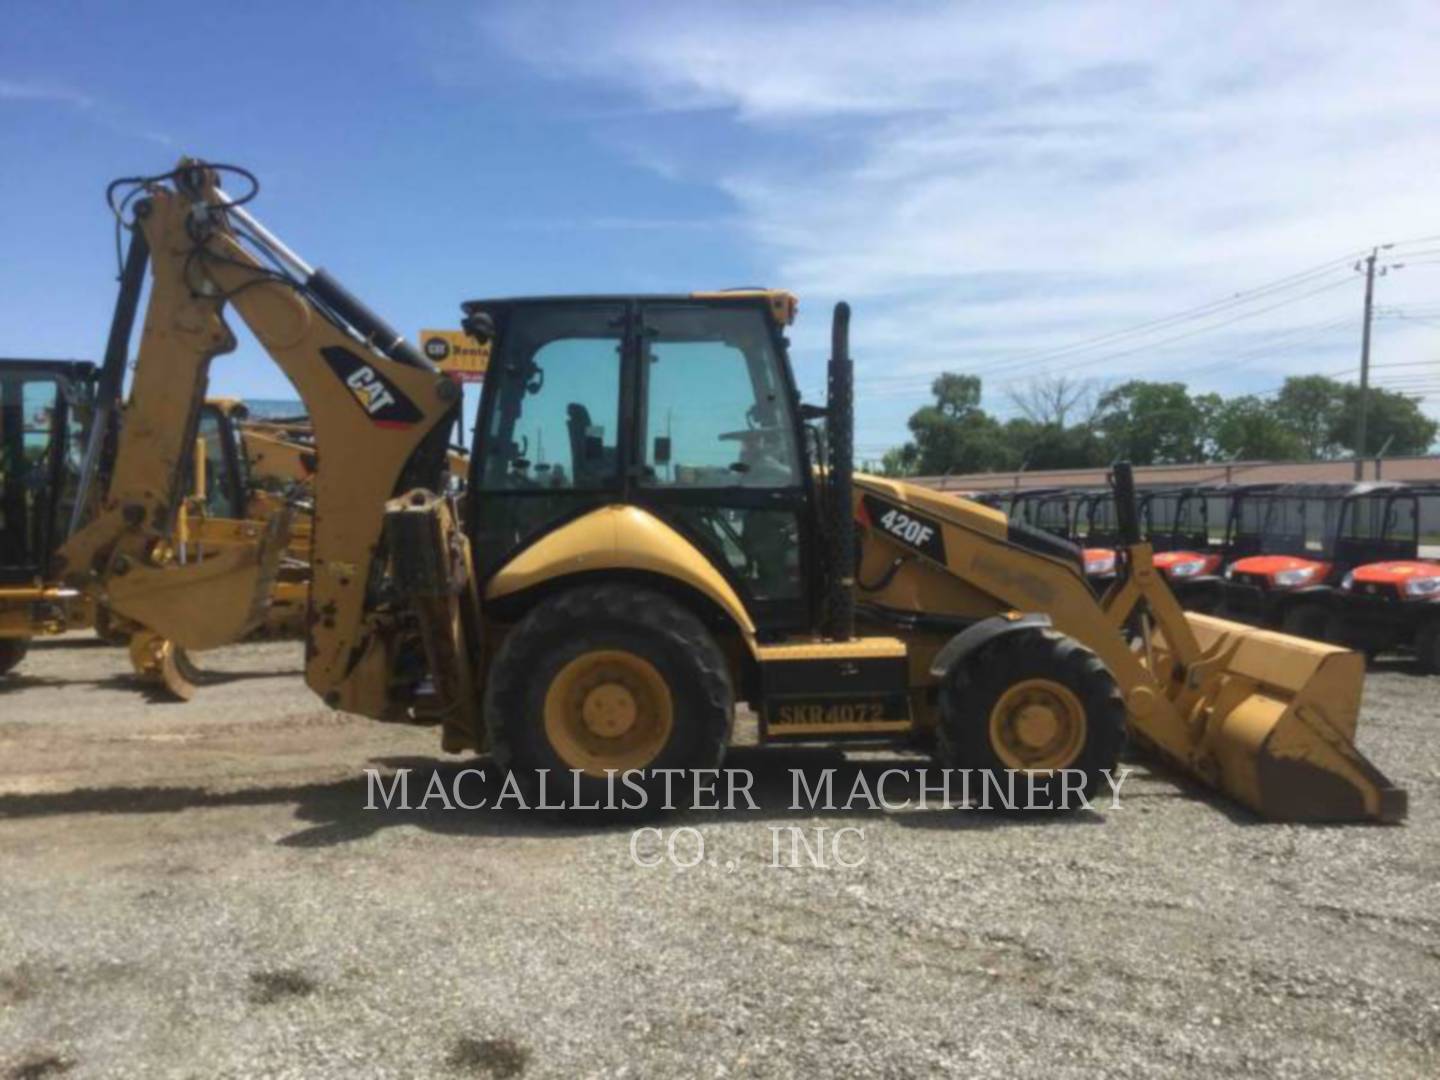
(1037, 724)
(608, 709)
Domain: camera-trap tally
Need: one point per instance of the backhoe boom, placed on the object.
(369, 396)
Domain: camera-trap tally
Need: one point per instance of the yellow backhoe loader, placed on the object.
(45, 410)
(655, 529)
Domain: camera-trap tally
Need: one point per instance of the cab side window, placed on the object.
(715, 409)
(556, 420)
(220, 500)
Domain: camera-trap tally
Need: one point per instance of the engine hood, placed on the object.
(1394, 573)
(1164, 560)
(1270, 565)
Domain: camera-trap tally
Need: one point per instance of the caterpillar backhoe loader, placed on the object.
(656, 529)
(45, 410)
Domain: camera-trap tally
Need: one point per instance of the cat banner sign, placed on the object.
(456, 353)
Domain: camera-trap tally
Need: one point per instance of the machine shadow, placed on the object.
(153, 695)
(343, 811)
(42, 644)
(339, 816)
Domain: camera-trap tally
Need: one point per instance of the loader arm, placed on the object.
(370, 397)
(1268, 718)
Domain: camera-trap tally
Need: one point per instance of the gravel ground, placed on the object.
(197, 890)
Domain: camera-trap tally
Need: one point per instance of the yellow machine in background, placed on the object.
(656, 529)
(45, 412)
(44, 409)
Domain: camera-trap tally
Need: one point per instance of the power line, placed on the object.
(1317, 330)
(915, 380)
(1200, 330)
(1019, 363)
(1235, 299)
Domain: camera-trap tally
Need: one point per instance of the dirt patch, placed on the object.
(39, 1066)
(16, 986)
(268, 987)
(499, 1058)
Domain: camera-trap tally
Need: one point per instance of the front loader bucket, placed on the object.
(1275, 718)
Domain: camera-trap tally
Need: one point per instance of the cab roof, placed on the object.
(782, 304)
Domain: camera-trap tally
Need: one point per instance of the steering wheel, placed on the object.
(749, 433)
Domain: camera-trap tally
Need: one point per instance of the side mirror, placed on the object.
(480, 326)
(661, 454)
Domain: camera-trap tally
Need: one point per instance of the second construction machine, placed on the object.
(656, 529)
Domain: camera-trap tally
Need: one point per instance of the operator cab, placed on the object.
(43, 408)
(682, 405)
(225, 488)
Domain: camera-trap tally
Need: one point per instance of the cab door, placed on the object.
(34, 420)
(548, 445)
(718, 453)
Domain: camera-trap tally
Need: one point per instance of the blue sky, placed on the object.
(987, 184)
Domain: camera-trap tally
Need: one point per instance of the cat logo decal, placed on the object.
(383, 401)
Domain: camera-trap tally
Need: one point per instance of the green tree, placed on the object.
(1249, 427)
(1152, 423)
(899, 460)
(1051, 446)
(1391, 417)
(1312, 407)
(955, 434)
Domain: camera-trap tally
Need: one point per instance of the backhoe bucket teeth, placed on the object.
(1274, 720)
(164, 665)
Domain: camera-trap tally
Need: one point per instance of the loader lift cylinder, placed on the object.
(840, 437)
(112, 372)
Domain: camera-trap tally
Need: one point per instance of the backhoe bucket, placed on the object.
(215, 601)
(1275, 719)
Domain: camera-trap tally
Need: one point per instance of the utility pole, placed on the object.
(1360, 422)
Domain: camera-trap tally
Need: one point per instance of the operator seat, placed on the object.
(592, 462)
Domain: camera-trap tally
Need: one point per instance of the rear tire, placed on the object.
(12, 651)
(608, 677)
(1036, 701)
(1427, 646)
(1307, 619)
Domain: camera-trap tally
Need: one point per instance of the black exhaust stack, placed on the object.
(1127, 517)
(840, 440)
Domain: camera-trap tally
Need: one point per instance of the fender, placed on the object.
(982, 633)
(620, 537)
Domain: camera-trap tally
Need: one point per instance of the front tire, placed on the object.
(1036, 702)
(608, 678)
(12, 651)
(1427, 646)
(1307, 619)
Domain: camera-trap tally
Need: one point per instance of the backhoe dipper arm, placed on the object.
(377, 408)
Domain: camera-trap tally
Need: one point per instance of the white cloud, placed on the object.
(988, 181)
(44, 93)
(12, 90)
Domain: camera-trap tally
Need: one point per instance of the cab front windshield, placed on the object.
(714, 413)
